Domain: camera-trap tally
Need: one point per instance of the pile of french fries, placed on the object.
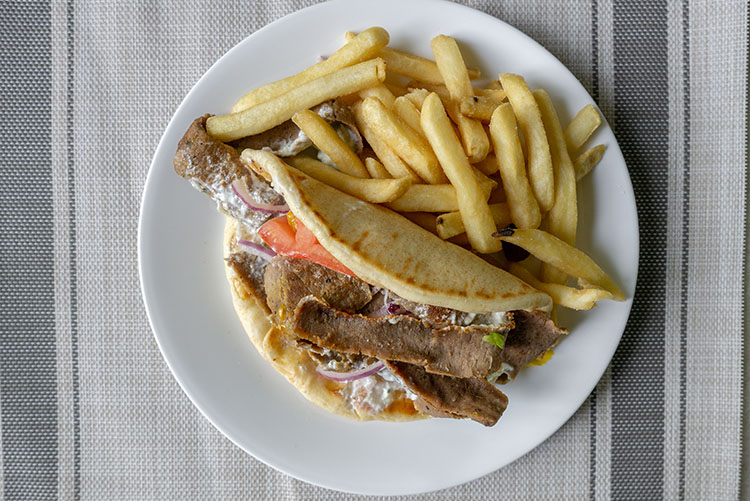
(459, 160)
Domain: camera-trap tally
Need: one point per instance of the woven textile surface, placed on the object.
(88, 407)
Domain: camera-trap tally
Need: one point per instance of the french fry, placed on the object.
(364, 46)
(407, 143)
(550, 249)
(409, 113)
(588, 160)
(442, 91)
(450, 224)
(524, 208)
(488, 165)
(376, 169)
(562, 218)
(426, 198)
(475, 212)
(325, 138)
(417, 97)
(416, 67)
(380, 92)
(496, 94)
(539, 161)
(452, 68)
(474, 139)
(271, 113)
(581, 127)
(487, 183)
(370, 190)
(396, 90)
(479, 107)
(413, 66)
(569, 297)
(392, 162)
(427, 221)
(423, 89)
(434, 197)
(495, 84)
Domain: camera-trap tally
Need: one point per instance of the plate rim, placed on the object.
(145, 294)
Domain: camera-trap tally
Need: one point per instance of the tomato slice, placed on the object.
(282, 238)
(305, 238)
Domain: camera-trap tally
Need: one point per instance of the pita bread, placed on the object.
(385, 249)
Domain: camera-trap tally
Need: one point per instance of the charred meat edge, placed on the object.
(455, 350)
(287, 280)
(445, 396)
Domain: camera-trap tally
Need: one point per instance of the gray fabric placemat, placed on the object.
(88, 408)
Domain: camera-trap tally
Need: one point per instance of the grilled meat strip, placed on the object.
(454, 350)
(212, 167)
(431, 340)
(288, 280)
(250, 270)
(445, 396)
(531, 336)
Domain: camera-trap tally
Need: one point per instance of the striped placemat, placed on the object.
(88, 407)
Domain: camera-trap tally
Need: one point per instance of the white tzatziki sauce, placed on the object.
(496, 319)
(291, 148)
(374, 393)
(227, 201)
(505, 370)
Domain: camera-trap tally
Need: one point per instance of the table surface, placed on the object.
(88, 408)
(745, 473)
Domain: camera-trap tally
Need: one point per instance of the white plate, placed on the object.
(190, 309)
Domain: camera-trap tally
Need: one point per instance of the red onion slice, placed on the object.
(351, 375)
(256, 249)
(387, 309)
(240, 189)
